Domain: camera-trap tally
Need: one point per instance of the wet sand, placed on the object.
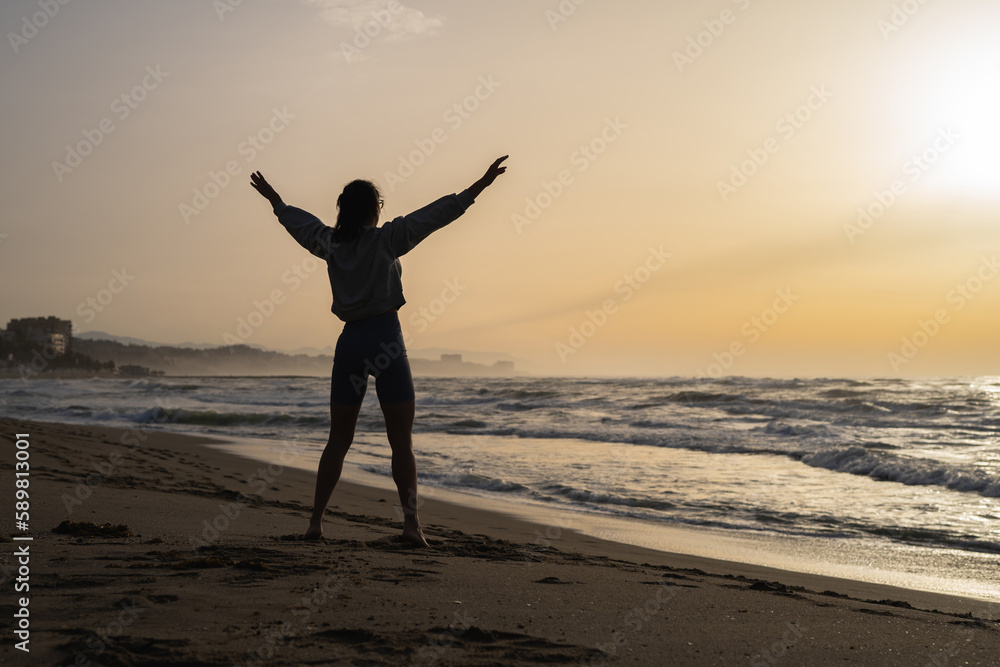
(176, 553)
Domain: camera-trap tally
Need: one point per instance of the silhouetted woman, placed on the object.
(363, 264)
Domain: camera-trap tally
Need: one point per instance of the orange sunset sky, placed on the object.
(770, 188)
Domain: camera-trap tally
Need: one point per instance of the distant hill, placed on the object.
(103, 335)
(246, 360)
(127, 340)
(313, 351)
(229, 360)
(432, 354)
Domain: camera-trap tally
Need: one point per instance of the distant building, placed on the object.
(44, 331)
(504, 366)
(451, 358)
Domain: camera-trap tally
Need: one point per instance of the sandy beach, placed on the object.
(151, 549)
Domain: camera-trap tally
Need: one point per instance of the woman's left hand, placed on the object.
(491, 175)
(264, 188)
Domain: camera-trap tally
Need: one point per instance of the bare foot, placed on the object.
(314, 533)
(412, 533)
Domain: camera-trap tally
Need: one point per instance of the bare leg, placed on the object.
(343, 419)
(399, 430)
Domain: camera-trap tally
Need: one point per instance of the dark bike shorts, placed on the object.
(372, 346)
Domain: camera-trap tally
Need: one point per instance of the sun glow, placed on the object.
(961, 96)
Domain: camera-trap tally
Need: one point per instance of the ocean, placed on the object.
(889, 480)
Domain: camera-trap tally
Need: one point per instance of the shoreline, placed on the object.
(213, 558)
(554, 523)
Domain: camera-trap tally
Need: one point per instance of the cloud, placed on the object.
(396, 21)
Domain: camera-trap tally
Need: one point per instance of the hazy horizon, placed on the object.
(749, 189)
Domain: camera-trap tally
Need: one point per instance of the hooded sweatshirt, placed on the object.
(365, 275)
